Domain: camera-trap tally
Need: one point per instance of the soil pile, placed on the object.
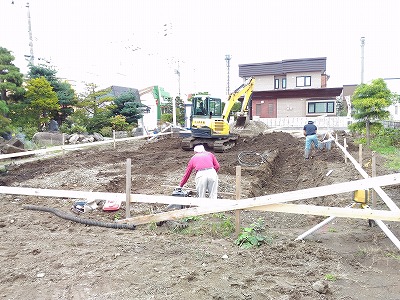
(46, 257)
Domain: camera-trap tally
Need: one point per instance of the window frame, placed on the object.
(306, 81)
(313, 109)
(276, 84)
(258, 109)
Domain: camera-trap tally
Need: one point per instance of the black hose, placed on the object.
(70, 217)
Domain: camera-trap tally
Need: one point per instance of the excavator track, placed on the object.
(225, 144)
(187, 143)
(217, 145)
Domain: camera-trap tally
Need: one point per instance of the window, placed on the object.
(303, 81)
(321, 107)
(284, 83)
(270, 109)
(204, 106)
(258, 109)
(276, 83)
(215, 106)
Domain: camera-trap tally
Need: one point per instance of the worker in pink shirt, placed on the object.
(206, 165)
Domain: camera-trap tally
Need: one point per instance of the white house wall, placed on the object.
(264, 83)
(149, 119)
(394, 110)
(290, 107)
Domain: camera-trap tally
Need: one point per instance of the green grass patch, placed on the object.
(393, 255)
(215, 225)
(330, 277)
(391, 154)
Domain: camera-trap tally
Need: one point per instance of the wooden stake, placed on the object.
(373, 195)
(238, 192)
(63, 144)
(114, 138)
(128, 187)
(360, 154)
(345, 147)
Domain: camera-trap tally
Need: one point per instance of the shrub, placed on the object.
(106, 131)
(78, 129)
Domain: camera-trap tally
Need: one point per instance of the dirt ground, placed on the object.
(44, 256)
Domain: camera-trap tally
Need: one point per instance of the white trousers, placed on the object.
(207, 180)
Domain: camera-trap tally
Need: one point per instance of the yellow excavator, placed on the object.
(209, 125)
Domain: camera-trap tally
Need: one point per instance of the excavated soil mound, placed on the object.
(44, 256)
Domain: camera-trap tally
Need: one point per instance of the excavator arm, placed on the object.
(246, 90)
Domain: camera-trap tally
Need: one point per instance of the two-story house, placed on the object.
(291, 88)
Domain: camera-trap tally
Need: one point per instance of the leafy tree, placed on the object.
(99, 120)
(127, 105)
(166, 118)
(92, 112)
(119, 123)
(370, 102)
(11, 78)
(4, 121)
(341, 107)
(65, 93)
(396, 98)
(94, 101)
(42, 100)
(180, 109)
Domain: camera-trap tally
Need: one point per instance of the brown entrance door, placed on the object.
(269, 110)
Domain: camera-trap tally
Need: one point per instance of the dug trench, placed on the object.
(47, 257)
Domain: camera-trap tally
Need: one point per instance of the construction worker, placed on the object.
(206, 165)
(310, 132)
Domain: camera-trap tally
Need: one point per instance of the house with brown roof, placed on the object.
(291, 88)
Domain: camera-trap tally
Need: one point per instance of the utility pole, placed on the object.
(362, 59)
(178, 72)
(227, 59)
(32, 57)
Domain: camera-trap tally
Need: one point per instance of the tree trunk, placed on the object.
(3, 95)
(368, 129)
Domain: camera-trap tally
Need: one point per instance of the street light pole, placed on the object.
(32, 57)
(362, 59)
(177, 72)
(228, 60)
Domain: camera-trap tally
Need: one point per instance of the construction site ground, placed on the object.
(44, 256)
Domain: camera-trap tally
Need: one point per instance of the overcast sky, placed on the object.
(142, 43)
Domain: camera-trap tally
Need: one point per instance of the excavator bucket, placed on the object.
(240, 121)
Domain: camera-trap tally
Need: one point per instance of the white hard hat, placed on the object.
(199, 148)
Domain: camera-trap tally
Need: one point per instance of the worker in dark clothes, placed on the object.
(206, 166)
(310, 132)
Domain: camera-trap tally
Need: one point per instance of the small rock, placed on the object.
(321, 287)
(224, 256)
(40, 275)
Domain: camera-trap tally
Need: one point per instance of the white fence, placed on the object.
(299, 122)
(391, 124)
